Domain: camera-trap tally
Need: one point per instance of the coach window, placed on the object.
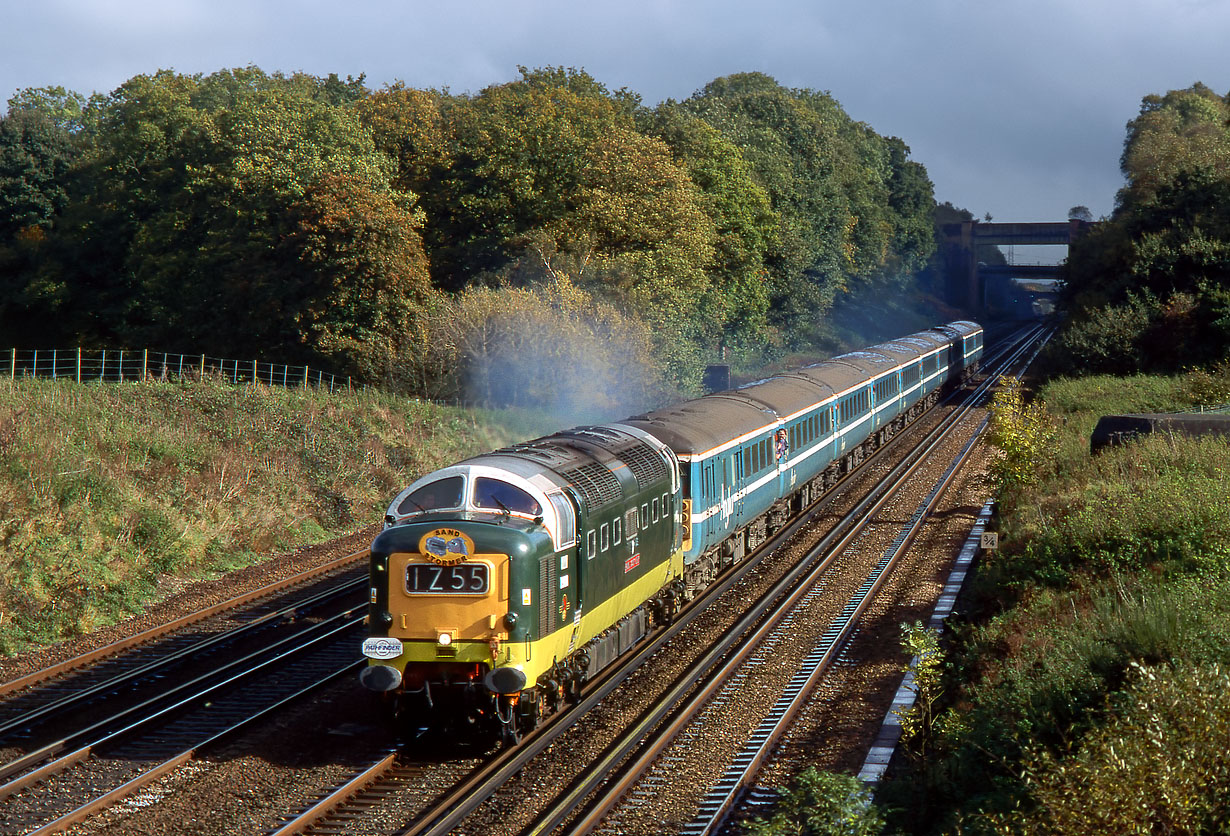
(606, 536)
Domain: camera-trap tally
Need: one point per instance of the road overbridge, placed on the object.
(963, 240)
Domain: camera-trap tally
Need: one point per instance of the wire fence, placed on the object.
(145, 365)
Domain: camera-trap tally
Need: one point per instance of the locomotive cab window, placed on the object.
(443, 493)
(501, 496)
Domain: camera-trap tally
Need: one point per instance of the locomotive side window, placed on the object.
(442, 493)
(501, 496)
(645, 515)
(606, 536)
(616, 537)
(592, 540)
(655, 509)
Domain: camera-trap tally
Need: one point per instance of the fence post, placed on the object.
(256, 381)
(202, 367)
(145, 366)
(102, 368)
(305, 376)
(13, 366)
(121, 365)
(35, 372)
(78, 364)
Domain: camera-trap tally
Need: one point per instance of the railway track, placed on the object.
(451, 808)
(80, 736)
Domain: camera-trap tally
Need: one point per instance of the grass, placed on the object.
(107, 490)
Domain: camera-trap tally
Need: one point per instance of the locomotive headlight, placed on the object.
(445, 640)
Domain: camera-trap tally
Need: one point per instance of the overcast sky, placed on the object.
(1016, 107)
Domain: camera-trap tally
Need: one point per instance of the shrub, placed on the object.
(1160, 765)
(1021, 432)
(821, 804)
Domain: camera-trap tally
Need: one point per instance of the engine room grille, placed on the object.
(546, 596)
(598, 486)
(646, 465)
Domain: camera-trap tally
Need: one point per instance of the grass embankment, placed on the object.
(1089, 684)
(108, 491)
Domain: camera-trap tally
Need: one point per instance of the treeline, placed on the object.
(1149, 289)
(449, 243)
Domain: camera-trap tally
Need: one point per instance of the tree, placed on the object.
(207, 216)
(1080, 213)
(844, 198)
(35, 157)
(737, 302)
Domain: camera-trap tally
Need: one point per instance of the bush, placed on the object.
(1160, 765)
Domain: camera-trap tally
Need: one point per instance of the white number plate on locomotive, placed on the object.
(462, 579)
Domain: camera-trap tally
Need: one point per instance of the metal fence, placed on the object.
(142, 365)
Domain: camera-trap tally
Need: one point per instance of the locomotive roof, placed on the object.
(593, 460)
